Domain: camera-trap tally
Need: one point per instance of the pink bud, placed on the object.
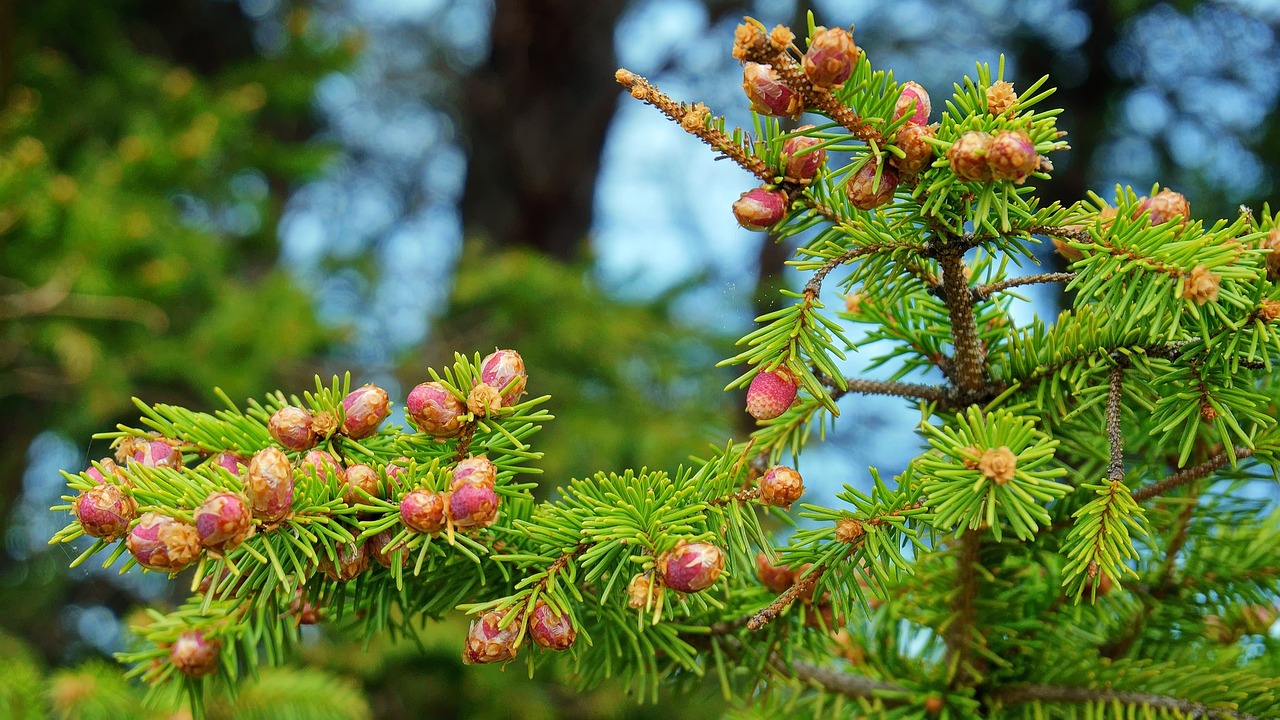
(360, 478)
(423, 511)
(968, 156)
(232, 463)
(550, 629)
(1012, 156)
(269, 484)
(831, 57)
(776, 578)
(504, 371)
(322, 465)
(380, 549)
(223, 521)
(1165, 206)
(780, 486)
(912, 92)
(760, 209)
(160, 543)
(395, 472)
(105, 511)
(475, 469)
(768, 94)
(770, 394)
(365, 409)
(292, 427)
(194, 655)
(302, 610)
(158, 454)
(487, 643)
(863, 191)
(350, 560)
(434, 410)
(801, 166)
(473, 504)
(913, 140)
(691, 567)
(109, 466)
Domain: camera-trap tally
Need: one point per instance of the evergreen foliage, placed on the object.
(1075, 538)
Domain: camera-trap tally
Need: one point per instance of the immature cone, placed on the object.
(776, 578)
(473, 503)
(223, 521)
(831, 57)
(230, 462)
(158, 454)
(968, 156)
(434, 410)
(691, 567)
(1272, 242)
(768, 94)
(487, 643)
(864, 193)
(194, 655)
(1012, 156)
(1201, 285)
(914, 141)
(269, 484)
(550, 629)
(1165, 206)
(127, 447)
(350, 560)
(475, 469)
(109, 466)
(780, 486)
(503, 370)
(105, 511)
(395, 472)
(359, 477)
(760, 208)
(800, 166)
(914, 100)
(423, 511)
(641, 589)
(770, 394)
(364, 410)
(292, 427)
(160, 543)
(484, 400)
(322, 465)
(380, 549)
(302, 610)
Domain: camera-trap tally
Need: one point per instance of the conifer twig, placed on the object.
(986, 291)
(841, 683)
(1066, 694)
(912, 391)
(968, 364)
(1191, 474)
(957, 636)
(1115, 468)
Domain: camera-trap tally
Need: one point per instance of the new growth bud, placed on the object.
(863, 190)
(360, 478)
(364, 410)
(484, 400)
(158, 454)
(105, 511)
(641, 589)
(269, 484)
(107, 465)
(1165, 206)
(760, 208)
(350, 559)
(382, 551)
(1272, 242)
(434, 410)
(800, 166)
(292, 427)
(223, 521)
(770, 394)
(691, 567)
(913, 104)
(1012, 156)
(503, 370)
(968, 156)
(160, 543)
(322, 465)
(831, 57)
(194, 655)
(1001, 98)
(913, 140)
(780, 486)
(550, 629)
(488, 643)
(473, 500)
(768, 94)
(423, 511)
(230, 462)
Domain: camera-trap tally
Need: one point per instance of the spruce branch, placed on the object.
(984, 292)
(1191, 474)
(961, 628)
(968, 363)
(1115, 468)
(839, 683)
(1018, 694)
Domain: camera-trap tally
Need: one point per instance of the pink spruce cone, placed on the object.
(423, 511)
(223, 521)
(194, 655)
(434, 410)
(160, 543)
(504, 371)
(775, 578)
(158, 454)
(351, 560)
(107, 465)
(365, 408)
(768, 94)
(293, 428)
(360, 477)
(475, 469)
(1165, 206)
(105, 511)
(968, 156)
(913, 140)
(473, 502)
(1012, 156)
(487, 643)
(230, 462)
(550, 629)
(691, 567)
(912, 92)
(382, 551)
(269, 484)
(771, 393)
(831, 57)
(322, 465)
(864, 193)
(780, 486)
(800, 167)
(760, 208)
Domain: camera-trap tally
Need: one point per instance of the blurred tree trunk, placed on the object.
(536, 114)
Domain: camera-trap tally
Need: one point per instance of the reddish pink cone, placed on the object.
(292, 427)
(798, 165)
(831, 57)
(475, 469)
(105, 511)
(358, 478)
(434, 410)
(768, 94)
(775, 578)
(473, 504)
(351, 560)
(760, 208)
(912, 92)
(223, 521)
(194, 655)
(913, 140)
(323, 466)
(503, 370)
(230, 462)
(968, 156)
(269, 484)
(691, 567)
(1012, 156)
(364, 410)
(486, 643)
(863, 191)
(770, 394)
(380, 549)
(161, 543)
(550, 629)
(157, 454)
(423, 511)
(1165, 206)
(109, 466)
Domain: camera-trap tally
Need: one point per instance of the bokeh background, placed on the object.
(245, 193)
